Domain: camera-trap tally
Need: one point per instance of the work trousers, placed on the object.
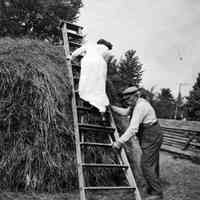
(150, 139)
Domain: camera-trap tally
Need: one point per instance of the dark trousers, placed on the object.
(150, 139)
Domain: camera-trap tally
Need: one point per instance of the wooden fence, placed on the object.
(181, 137)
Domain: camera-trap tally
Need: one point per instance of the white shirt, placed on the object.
(142, 113)
(92, 84)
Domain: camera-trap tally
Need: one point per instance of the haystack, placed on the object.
(36, 141)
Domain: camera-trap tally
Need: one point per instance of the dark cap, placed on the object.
(106, 43)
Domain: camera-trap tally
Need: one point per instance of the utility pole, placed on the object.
(179, 95)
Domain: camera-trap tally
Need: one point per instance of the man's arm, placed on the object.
(121, 111)
(137, 118)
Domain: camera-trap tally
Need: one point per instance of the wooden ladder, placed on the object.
(82, 126)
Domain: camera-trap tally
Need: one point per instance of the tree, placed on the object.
(165, 104)
(127, 73)
(36, 18)
(130, 70)
(193, 103)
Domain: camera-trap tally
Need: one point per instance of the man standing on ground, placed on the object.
(144, 123)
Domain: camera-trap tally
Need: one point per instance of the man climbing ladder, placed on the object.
(92, 83)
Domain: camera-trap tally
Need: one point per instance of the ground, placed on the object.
(180, 178)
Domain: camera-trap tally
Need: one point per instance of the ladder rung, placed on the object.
(99, 128)
(75, 44)
(73, 26)
(95, 144)
(88, 109)
(109, 188)
(75, 35)
(104, 165)
(83, 108)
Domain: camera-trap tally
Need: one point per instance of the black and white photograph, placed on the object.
(99, 100)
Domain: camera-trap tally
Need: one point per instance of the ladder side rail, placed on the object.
(75, 115)
(129, 174)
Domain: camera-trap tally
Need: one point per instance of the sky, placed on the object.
(164, 33)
